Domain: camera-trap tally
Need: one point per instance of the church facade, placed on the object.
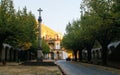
(53, 39)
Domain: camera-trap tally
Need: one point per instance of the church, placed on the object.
(53, 39)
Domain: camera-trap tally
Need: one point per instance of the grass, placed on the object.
(29, 70)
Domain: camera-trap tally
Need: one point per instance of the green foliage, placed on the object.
(7, 16)
(96, 44)
(103, 21)
(16, 28)
(45, 47)
(70, 40)
(99, 22)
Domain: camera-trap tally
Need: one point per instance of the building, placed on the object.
(53, 39)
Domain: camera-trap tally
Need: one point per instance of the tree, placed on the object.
(16, 28)
(104, 27)
(87, 31)
(72, 40)
(7, 20)
(28, 22)
(45, 47)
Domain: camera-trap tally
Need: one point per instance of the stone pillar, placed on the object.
(28, 55)
(93, 54)
(100, 55)
(16, 56)
(97, 53)
(8, 54)
(3, 54)
(0, 55)
(12, 54)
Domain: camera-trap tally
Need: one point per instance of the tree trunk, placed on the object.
(0, 51)
(3, 60)
(80, 55)
(75, 55)
(89, 48)
(104, 54)
(89, 55)
(1, 45)
(2, 38)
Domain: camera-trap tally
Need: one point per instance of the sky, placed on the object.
(56, 13)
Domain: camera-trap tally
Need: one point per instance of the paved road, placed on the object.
(71, 68)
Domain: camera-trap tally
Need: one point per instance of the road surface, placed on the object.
(71, 68)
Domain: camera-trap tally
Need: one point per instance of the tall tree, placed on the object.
(7, 20)
(16, 28)
(73, 40)
(87, 29)
(104, 27)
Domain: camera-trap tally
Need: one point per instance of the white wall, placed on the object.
(64, 55)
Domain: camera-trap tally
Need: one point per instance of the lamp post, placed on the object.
(39, 51)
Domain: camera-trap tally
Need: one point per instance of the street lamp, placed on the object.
(39, 51)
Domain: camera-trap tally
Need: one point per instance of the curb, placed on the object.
(63, 73)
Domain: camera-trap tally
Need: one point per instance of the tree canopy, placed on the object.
(17, 27)
(100, 20)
